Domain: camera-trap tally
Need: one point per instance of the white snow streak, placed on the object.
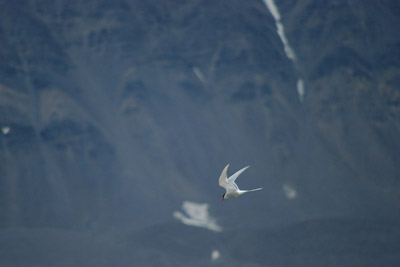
(200, 75)
(273, 9)
(197, 215)
(280, 29)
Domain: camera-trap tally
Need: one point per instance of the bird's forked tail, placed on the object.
(254, 189)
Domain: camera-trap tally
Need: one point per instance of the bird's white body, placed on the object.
(232, 190)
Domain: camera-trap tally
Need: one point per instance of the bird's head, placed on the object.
(223, 197)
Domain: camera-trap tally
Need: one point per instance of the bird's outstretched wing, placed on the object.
(223, 181)
(233, 177)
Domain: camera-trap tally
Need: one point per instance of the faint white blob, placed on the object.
(5, 130)
(273, 9)
(289, 191)
(200, 75)
(215, 255)
(197, 215)
(300, 90)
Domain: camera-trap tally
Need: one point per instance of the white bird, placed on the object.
(232, 190)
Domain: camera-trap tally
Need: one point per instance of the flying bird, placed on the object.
(232, 190)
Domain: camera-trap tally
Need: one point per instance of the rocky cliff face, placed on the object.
(128, 102)
(348, 54)
(114, 112)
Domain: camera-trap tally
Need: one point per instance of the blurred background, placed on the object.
(117, 118)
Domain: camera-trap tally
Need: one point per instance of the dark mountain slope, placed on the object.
(114, 112)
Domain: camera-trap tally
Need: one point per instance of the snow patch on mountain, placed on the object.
(273, 9)
(289, 191)
(196, 214)
(200, 75)
(5, 130)
(300, 89)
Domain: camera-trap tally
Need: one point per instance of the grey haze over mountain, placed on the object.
(114, 113)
